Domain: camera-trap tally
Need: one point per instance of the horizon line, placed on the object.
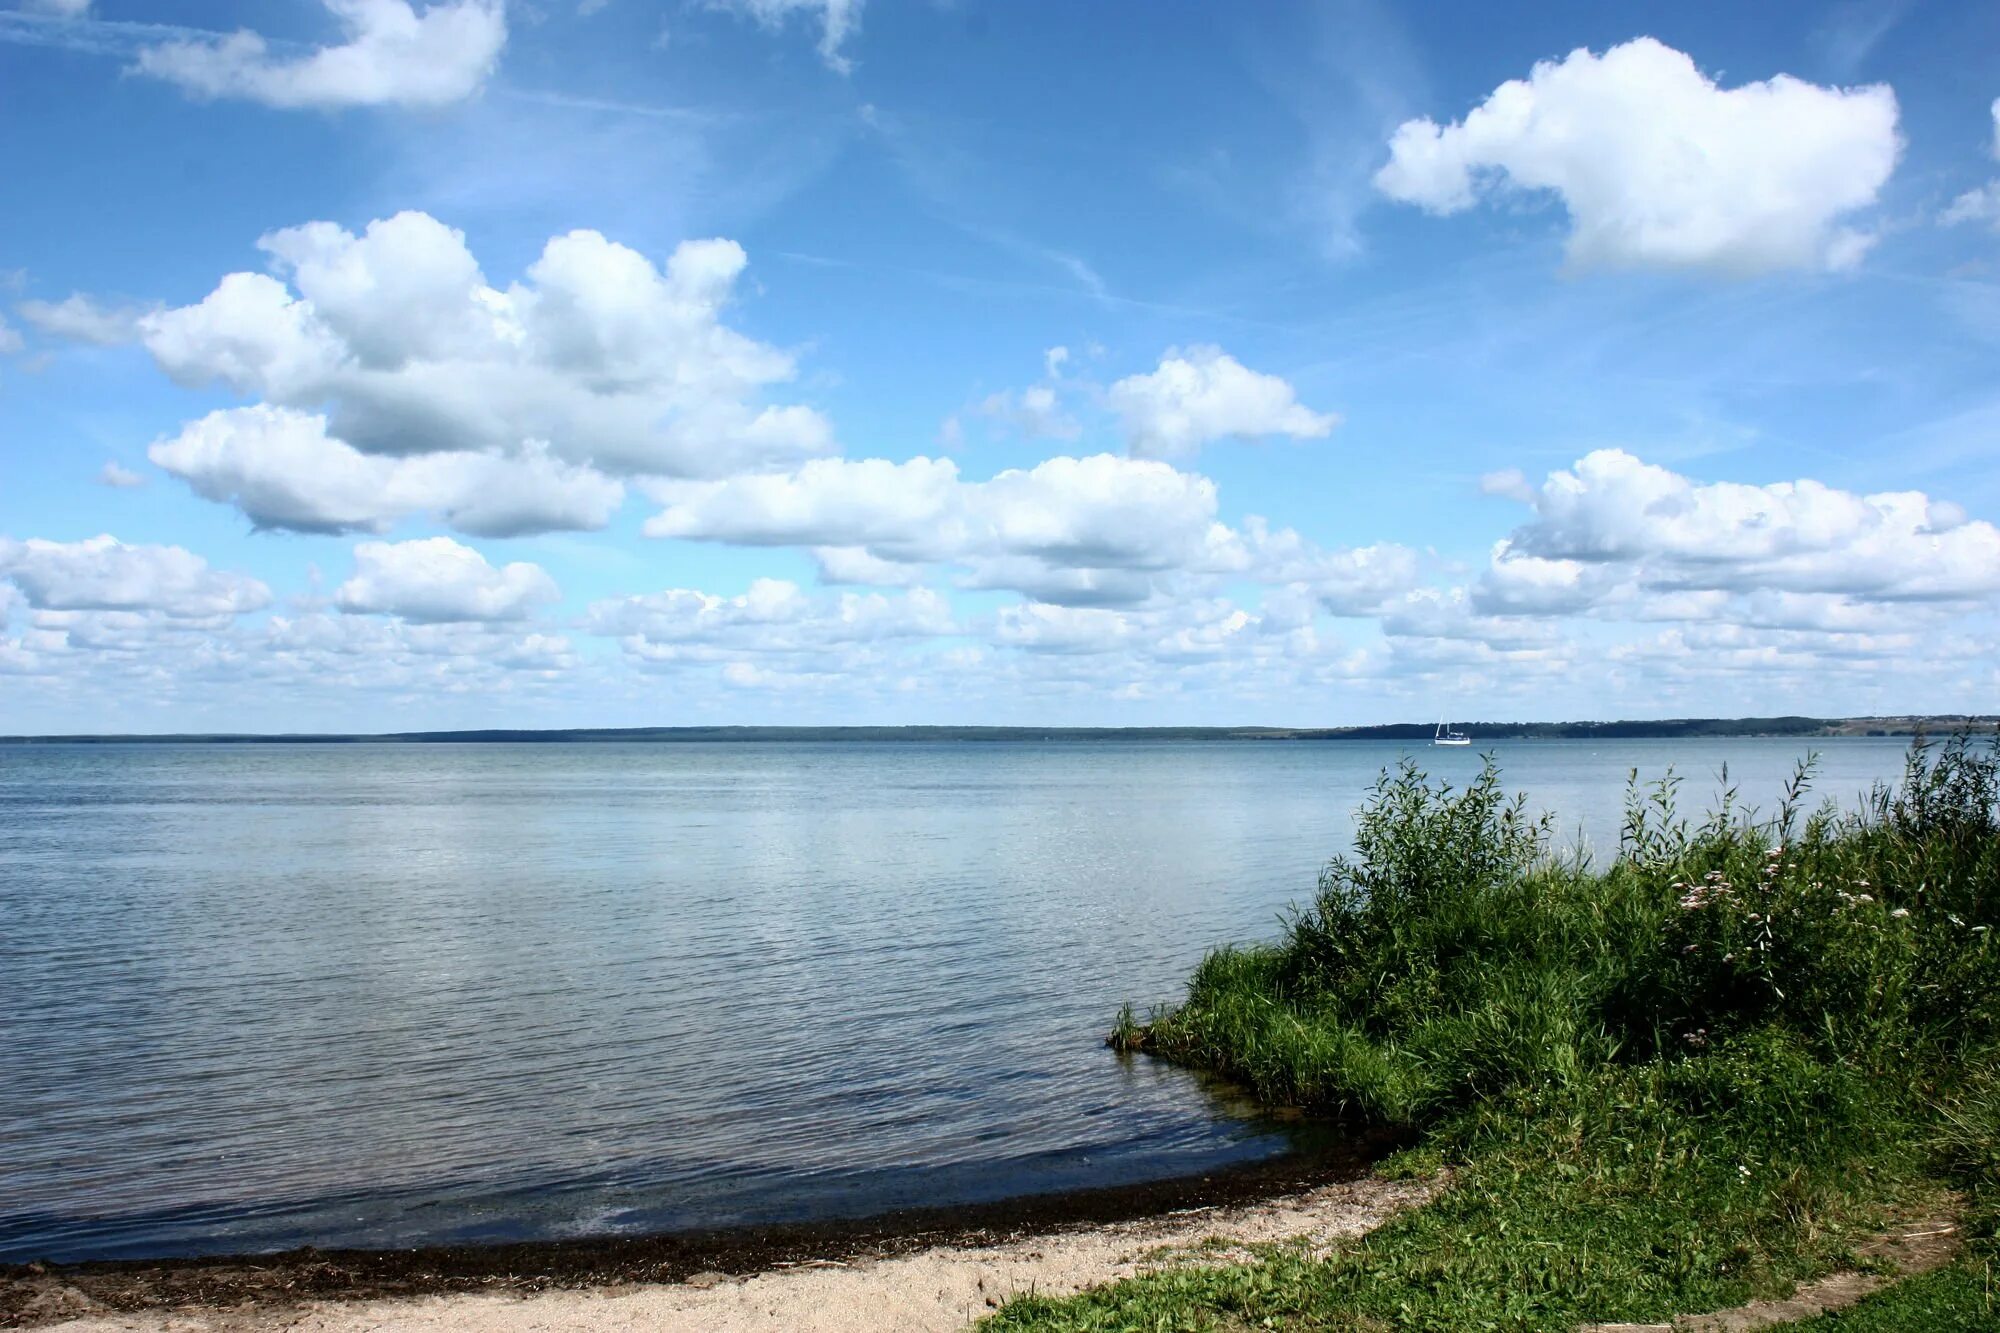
(1779, 725)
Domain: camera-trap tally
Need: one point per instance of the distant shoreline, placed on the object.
(1656, 729)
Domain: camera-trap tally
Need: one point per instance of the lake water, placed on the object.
(385, 995)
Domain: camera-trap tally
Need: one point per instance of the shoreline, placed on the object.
(36, 1295)
(1793, 727)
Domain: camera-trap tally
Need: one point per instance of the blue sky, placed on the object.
(370, 365)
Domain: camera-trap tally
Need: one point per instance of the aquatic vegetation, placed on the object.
(1664, 1084)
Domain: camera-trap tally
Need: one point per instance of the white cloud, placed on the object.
(1453, 614)
(283, 470)
(377, 651)
(69, 9)
(1982, 204)
(394, 53)
(838, 20)
(119, 477)
(1039, 411)
(1195, 643)
(436, 579)
(1350, 581)
(320, 654)
(1095, 531)
(1825, 613)
(1774, 658)
(82, 318)
(1044, 628)
(104, 574)
(854, 564)
(1659, 166)
(1796, 536)
(10, 338)
(1202, 395)
(870, 502)
(773, 617)
(1035, 412)
(1051, 530)
(1508, 483)
(391, 344)
(1519, 584)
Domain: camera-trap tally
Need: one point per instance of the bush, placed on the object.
(1453, 961)
(1669, 1084)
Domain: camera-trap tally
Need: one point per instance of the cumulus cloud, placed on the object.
(1454, 614)
(1045, 529)
(392, 345)
(1350, 581)
(838, 20)
(1659, 166)
(387, 652)
(773, 617)
(394, 53)
(1095, 531)
(1774, 657)
(854, 564)
(119, 477)
(104, 574)
(1201, 643)
(133, 665)
(438, 580)
(283, 470)
(1045, 628)
(1201, 395)
(1669, 532)
(84, 319)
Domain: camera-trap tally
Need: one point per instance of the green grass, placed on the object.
(1670, 1084)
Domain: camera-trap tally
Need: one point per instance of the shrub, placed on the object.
(1452, 960)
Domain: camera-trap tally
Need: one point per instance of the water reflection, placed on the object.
(379, 995)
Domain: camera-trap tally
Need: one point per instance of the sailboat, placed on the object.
(1445, 736)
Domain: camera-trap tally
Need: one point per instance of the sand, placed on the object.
(930, 1290)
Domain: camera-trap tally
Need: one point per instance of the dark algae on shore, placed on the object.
(35, 1294)
(1671, 1084)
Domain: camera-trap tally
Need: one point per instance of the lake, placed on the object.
(256, 996)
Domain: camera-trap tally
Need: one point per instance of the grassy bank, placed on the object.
(1665, 1085)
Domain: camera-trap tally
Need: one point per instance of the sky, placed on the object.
(371, 365)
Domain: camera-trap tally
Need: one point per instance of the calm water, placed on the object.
(262, 996)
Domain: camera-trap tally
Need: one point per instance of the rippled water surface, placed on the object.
(260, 996)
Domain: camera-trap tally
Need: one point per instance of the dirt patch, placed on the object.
(1915, 1248)
(1100, 1229)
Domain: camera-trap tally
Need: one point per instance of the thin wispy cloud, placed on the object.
(120, 38)
(616, 106)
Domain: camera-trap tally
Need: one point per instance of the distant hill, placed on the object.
(1480, 732)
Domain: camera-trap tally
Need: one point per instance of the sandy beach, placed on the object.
(925, 1290)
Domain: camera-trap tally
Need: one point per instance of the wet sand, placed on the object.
(919, 1269)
